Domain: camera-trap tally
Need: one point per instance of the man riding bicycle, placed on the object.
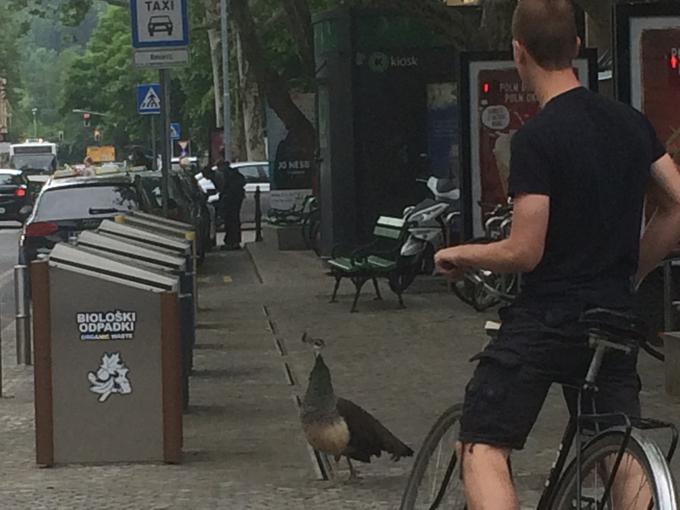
(579, 174)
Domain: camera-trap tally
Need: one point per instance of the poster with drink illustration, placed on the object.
(494, 106)
(504, 106)
(660, 88)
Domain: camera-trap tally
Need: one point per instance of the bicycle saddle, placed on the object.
(616, 326)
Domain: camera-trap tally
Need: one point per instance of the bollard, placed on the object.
(668, 320)
(1, 393)
(258, 215)
(23, 315)
(671, 344)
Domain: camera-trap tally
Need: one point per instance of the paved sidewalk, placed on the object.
(244, 448)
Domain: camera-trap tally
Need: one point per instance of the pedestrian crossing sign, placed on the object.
(149, 99)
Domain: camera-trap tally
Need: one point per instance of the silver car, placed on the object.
(257, 175)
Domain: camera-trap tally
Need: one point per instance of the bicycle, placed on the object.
(587, 481)
(311, 224)
(497, 224)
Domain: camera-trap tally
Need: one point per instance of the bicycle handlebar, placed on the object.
(477, 277)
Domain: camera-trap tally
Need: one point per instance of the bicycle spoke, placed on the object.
(630, 488)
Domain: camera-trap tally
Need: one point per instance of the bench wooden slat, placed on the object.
(380, 263)
(344, 264)
(389, 221)
(387, 232)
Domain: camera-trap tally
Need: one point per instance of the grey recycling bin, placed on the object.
(160, 219)
(159, 225)
(107, 361)
(174, 244)
(121, 250)
(151, 238)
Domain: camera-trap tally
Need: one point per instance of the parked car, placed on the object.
(68, 205)
(257, 175)
(15, 198)
(185, 204)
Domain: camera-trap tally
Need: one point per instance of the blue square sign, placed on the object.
(149, 99)
(175, 131)
(159, 23)
(160, 33)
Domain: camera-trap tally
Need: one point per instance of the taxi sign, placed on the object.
(160, 32)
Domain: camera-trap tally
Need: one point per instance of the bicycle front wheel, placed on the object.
(642, 481)
(435, 480)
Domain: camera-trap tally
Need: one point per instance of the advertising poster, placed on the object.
(494, 106)
(660, 84)
(651, 74)
(442, 130)
(504, 106)
(292, 175)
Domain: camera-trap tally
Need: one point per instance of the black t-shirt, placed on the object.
(592, 157)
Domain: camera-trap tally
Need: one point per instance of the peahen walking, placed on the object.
(339, 427)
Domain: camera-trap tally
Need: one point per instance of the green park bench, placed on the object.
(379, 259)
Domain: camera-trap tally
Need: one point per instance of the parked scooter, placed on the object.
(431, 221)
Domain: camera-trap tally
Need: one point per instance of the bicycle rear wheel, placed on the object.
(435, 481)
(643, 480)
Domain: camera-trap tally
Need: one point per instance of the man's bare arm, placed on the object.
(519, 253)
(662, 233)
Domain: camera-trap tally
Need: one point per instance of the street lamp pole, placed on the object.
(35, 123)
(226, 102)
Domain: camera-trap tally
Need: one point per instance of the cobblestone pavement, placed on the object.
(243, 444)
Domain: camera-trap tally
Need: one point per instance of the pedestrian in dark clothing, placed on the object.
(231, 200)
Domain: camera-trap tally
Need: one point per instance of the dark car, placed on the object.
(185, 204)
(15, 199)
(69, 205)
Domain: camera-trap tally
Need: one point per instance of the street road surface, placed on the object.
(9, 242)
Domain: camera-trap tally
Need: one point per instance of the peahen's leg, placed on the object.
(353, 475)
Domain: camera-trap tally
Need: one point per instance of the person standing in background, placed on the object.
(231, 199)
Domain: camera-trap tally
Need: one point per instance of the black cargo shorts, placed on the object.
(537, 346)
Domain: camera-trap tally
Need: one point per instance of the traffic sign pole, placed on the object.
(154, 165)
(165, 137)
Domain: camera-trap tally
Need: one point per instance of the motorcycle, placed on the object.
(431, 221)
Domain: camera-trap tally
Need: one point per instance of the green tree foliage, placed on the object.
(12, 25)
(193, 89)
(103, 79)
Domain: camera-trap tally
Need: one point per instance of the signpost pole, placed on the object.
(165, 136)
(226, 103)
(154, 153)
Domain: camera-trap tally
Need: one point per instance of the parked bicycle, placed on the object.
(311, 224)
(497, 225)
(617, 452)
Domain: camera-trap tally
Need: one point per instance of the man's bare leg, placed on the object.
(486, 478)
(631, 489)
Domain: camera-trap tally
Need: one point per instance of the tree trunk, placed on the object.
(301, 133)
(239, 151)
(496, 25)
(212, 14)
(252, 117)
(299, 20)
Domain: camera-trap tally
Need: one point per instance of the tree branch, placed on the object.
(273, 85)
(119, 3)
(299, 20)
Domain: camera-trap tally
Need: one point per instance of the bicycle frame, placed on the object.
(574, 433)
